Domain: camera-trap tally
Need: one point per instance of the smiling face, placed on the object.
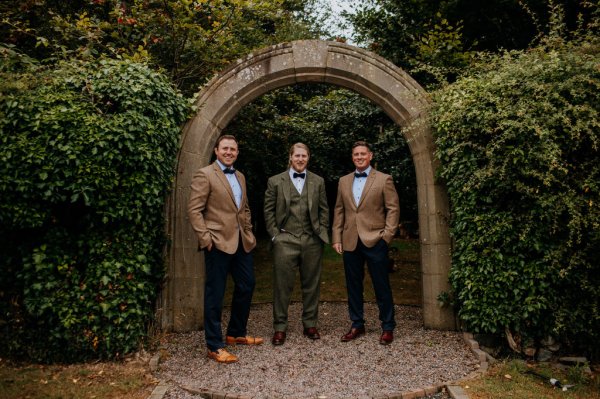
(227, 152)
(299, 159)
(361, 156)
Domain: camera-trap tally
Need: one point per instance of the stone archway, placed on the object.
(404, 101)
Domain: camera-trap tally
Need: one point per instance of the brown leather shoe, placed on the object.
(353, 334)
(247, 340)
(312, 333)
(386, 337)
(278, 338)
(222, 356)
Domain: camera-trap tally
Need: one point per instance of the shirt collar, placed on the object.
(223, 167)
(292, 171)
(367, 171)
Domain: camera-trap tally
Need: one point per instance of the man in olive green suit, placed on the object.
(297, 219)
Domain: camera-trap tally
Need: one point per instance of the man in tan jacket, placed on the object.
(219, 212)
(365, 219)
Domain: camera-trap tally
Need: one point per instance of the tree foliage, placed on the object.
(190, 40)
(88, 152)
(328, 120)
(519, 142)
(435, 40)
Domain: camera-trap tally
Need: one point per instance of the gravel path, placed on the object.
(326, 368)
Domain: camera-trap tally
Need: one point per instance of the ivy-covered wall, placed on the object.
(519, 143)
(87, 156)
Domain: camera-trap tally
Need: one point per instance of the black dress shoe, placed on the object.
(312, 333)
(387, 337)
(353, 334)
(278, 338)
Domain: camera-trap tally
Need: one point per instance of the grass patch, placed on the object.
(510, 379)
(106, 380)
(405, 280)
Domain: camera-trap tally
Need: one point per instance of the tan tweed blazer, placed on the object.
(375, 217)
(214, 214)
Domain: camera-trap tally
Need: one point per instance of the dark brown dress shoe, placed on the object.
(353, 334)
(278, 338)
(386, 337)
(312, 333)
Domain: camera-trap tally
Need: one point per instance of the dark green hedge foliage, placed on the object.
(519, 145)
(87, 154)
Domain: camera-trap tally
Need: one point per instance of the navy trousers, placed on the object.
(377, 263)
(218, 265)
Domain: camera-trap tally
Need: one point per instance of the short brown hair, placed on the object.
(225, 137)
(361, 143)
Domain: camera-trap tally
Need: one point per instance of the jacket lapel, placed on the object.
(308, 184)
(242, 183)
(347, 189)
(287, 186)
(367, 187)
(225, 182)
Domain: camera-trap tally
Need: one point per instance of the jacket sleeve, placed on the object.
(200, 190)
(338, 217)
(392, 209)
(270, 208)
(323, 211)
(247, 216)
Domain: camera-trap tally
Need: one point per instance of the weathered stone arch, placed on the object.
(404, 101)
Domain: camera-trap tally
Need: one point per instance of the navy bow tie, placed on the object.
(300, 175)
(228, 170)
(361, 174)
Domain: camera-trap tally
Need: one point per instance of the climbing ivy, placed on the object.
(87, 157)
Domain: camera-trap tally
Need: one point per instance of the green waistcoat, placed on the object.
(298, 221)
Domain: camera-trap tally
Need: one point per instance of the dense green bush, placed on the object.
(519, 144)
(87, 156)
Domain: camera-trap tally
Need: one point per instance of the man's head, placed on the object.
(299, 156)
(361, 155)
(226, 149)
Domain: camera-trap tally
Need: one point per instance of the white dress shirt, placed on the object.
(359, 184)
(298, 181)
(234, 183)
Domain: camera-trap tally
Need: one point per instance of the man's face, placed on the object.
(227, 152)
(361, 156)
(299, 159)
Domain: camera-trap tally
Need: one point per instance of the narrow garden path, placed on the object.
(326, 368)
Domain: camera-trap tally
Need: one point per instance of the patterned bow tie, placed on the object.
(300, 175)
(228, 170)
(361, 174)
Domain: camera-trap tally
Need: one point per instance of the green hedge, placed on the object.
(87, 158)
(519, 147)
